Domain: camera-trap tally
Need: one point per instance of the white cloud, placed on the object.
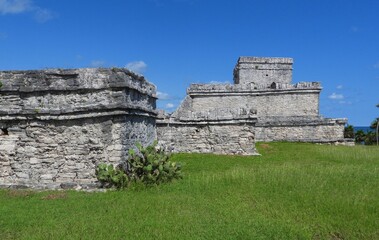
(43, 15)
(137, 66)
(169, 105)
(20, 6)
(15, 6)
(163, 96)
(339, 87)
(345, 102)
(97, 63)
(336, 96)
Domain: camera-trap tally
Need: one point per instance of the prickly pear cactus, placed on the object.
(148, 165)
(151, 165)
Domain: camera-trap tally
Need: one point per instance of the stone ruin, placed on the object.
(220, 131)
(262, 105)
(57, 125)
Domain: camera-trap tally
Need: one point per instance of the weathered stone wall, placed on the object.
(263, 70)
(207, 138)
(217, 131)
(57, 125)
(289, 100)
(284, 111)
(304, 129)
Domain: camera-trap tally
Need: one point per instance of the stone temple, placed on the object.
(262, 105)
(57, 125)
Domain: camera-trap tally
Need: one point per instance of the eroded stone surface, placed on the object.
(263, 70)
(221, 131)
(57, 125)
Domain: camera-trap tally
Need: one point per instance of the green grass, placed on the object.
(292, 191)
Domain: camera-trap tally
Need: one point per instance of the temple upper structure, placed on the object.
(263, 70)
(262, 101)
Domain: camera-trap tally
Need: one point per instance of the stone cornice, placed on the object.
(51, 80)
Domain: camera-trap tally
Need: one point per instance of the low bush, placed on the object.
(110, 176)
(151, 165)
(148, 165)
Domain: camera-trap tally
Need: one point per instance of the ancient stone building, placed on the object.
(284, 111)
(57, 125)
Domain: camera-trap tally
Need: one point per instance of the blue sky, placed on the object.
(177, 42)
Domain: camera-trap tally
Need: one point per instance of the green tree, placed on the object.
(349, 131)
(374, 124)
(360, 136)
(370, 138)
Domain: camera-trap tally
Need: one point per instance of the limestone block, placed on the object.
(22, 175)
(35, 161)
(47, 177)
(7, 148)
(70, 175)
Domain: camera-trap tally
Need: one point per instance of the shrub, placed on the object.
(110, 176)
(149, 165)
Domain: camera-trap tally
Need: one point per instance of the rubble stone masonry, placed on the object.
(57, 125)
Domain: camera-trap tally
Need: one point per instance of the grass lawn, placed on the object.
(292, 191)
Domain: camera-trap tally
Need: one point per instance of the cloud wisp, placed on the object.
(137, 66)
(169, 106)
(43, 15)
(163, 96)
(345, 102)
(336, 96)
(21, 6)
(14, 6)
(167, 102)
(376, 65)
